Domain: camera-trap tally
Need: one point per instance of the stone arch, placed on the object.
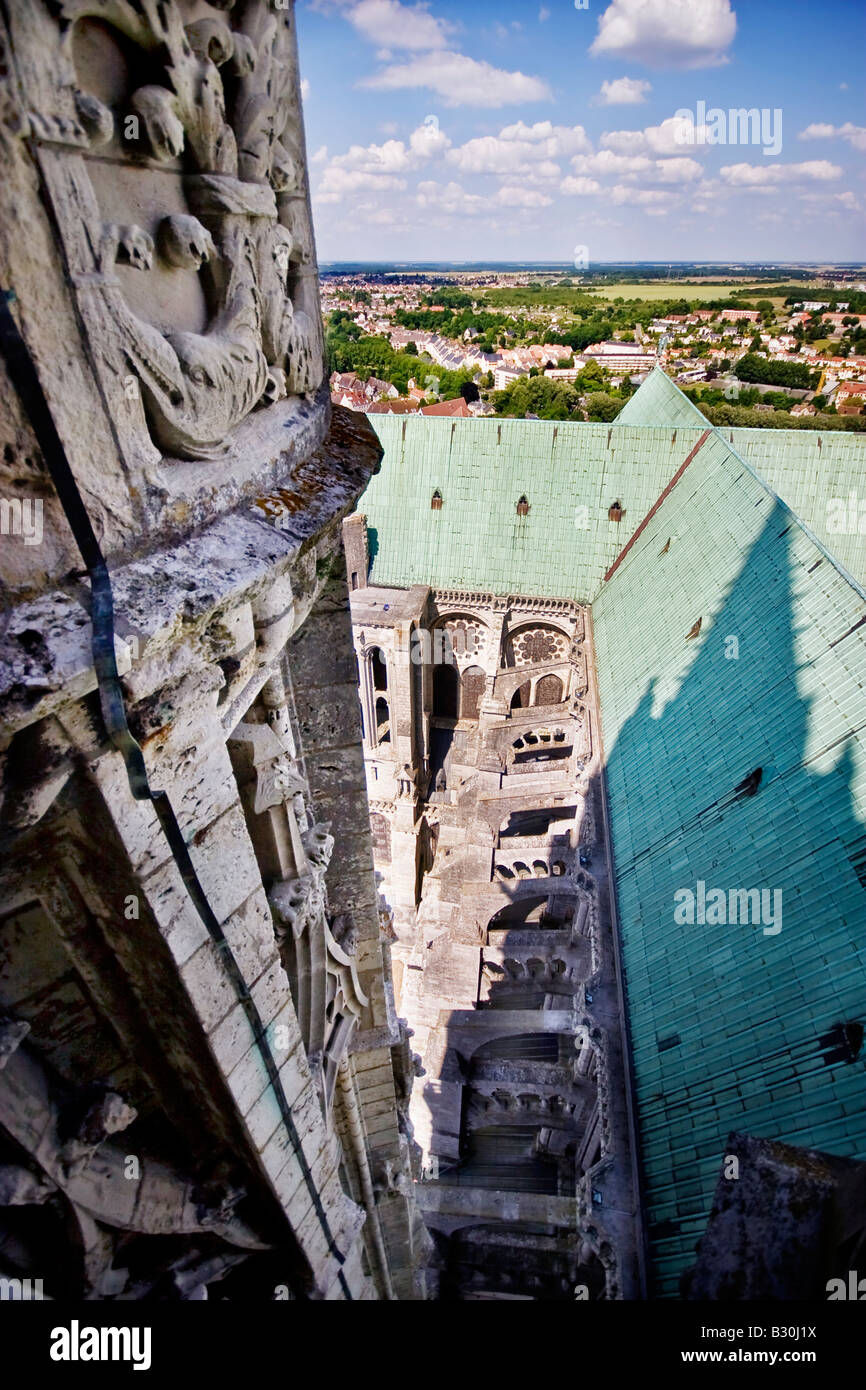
(467, 635)
(446, 692)
(383, 721)
(378, 668)
(520, 698)
(549, 691)
(534, 643)
(472, 684)
(539, 868)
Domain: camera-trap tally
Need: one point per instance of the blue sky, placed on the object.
(520, 130)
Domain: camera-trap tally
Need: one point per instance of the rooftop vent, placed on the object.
(616, 511)
(750, 784)
(694, 630)
(523, 506)
(666, 547)
(436, 501)
(843, 1043)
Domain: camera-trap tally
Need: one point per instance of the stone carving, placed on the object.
(21, 1188)
(12, 1033)
(391, 1180)
(133, 245)
(95, 117)
(277, 774)
(184, 242)
(345, 932)
(163, 133)
(108, 1115)
(319, 845)
(219, 112)
(296, 906)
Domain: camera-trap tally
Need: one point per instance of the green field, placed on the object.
(673, 289)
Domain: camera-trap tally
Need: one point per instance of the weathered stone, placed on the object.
(156, 228)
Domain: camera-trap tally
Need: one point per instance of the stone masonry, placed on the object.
(197, 1030)
(480, 721)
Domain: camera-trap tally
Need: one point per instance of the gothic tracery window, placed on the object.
(532, 646)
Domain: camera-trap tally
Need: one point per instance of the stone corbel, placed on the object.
(343, 969)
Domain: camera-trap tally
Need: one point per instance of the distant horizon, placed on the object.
(553, 264)
(526, 264)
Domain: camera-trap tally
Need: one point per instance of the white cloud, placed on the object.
(680, 170)
(461, 81)
(760, 176)
(392, 157)
(817, 131)
(428, 141)
(338, 182)
(556, 139)
(608, 162)
(582, 188)
(623, 91)
(449, 198)
(321, 155)
(399, 26)
(511, 195)
(656, 139)
(667, 33)
(652, 200)
(543, 14)
(854, 134)
(305, 88)
(529, 150)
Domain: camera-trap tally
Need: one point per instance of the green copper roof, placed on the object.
(730, 1027)
(570, 473)
(821, 474)
(659, 402)
(733, 1028)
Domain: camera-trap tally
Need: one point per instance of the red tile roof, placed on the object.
(457, 407)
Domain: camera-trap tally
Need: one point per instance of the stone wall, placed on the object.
(197, 1032)
(485, 774)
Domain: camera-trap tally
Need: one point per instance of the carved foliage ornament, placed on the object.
(199, 112)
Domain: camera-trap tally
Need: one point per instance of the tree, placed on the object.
(600, 406)
(795, 374)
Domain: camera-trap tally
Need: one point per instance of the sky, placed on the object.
(528, 131)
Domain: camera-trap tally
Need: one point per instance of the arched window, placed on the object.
(536, 643)
(446, 692)
(520, 698)
(471, 691)
(548, 691)
(383, 721)
(380, 670)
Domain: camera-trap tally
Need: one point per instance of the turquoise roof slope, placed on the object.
(570, 472)
(659, 402)
(821, 474)
(733, 1028)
